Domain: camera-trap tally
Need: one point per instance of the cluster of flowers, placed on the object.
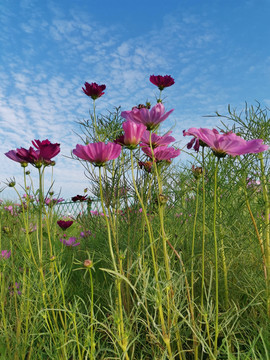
(137, 129)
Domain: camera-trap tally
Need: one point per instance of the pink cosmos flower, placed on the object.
(133, 133)
(98, 153)
(5, 254)
(150, 118)
(94, 90)
(64, 224)
(156, 140)
(161, 81)
(70, 242)
(227, 143)
(162, 153)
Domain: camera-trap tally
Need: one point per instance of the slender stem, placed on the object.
(257, 234)
(107, 221)
(203, 230)
(267, 230)
(166, 337)
(216, 258)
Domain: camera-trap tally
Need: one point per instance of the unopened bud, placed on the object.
(88, 263)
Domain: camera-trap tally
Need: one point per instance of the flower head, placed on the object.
(5, 254)
(70, 242)
(161, 153)
(227, 143)
(98, 153)
(161, 81)
(79, 198)
(150, 118)
(64, 224)
(133, 133)
(156, 140)
(43, 154)
(94, 90)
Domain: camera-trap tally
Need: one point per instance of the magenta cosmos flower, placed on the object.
(94, 90)
(161, 153)
(150, 118)
(133, 133)
(227, 143)
(5, 254)
(64, 224)
(43, 154)
(156, 140)
(161, 81)
(98, 153)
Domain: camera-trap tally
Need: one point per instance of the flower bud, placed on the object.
(88, 263)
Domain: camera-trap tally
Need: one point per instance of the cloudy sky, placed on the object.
(217, 51)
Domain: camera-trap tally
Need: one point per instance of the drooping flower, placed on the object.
(5, 254)
(156, 140)
(64, 224)
(70, 242)
(79, 198)
(150, 118)
(227, 143)
(133, 133)
(162, 153)
(161, 81)
(98, 153)
(146, 165)
(94, 90)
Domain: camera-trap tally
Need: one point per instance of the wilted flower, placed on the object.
(150, 118)
(15, 287)
(94, 90)
(64, 224)
(70, 242)
(161, 81)
(98, 153)
(146, 165)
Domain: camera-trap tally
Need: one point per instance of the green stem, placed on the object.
(107, 222)
(165, 336)
(203, 230)
(267, 237)
(216, 258)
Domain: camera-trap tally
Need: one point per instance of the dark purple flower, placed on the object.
(161, 81)
(79, 198)
(64, 224)
(94, 90)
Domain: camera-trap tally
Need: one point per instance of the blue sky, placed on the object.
(217, 52)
